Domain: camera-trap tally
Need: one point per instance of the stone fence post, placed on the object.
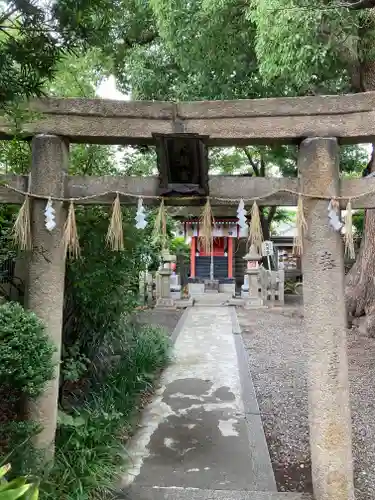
(44, 293)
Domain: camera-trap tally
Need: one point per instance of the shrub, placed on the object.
(89, 443)
(15, 446)
(26, 354)
(19, 487)
(100, 286)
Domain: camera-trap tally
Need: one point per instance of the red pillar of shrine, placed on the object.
(230, 257)
(193, 249)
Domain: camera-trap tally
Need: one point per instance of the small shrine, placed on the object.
(216, 265)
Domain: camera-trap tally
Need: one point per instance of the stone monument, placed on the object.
(252, 299)
(165, 299)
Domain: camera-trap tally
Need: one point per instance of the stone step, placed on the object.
(178, 493)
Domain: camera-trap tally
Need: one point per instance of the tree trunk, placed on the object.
(360, 281)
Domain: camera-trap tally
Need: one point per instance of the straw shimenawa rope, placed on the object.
(70, 236)
(316, 196)
(115, 234)
(21, 233)
(255, 233)
(206, 223)
(301, 228)
(22, 226)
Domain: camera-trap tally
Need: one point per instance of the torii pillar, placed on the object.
(325, 325)
(46, 272)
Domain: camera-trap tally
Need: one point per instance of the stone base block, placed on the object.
(227, 288)
(164, 303)
(195, 289)
(176, 295)
(211, 286)
(253, 302)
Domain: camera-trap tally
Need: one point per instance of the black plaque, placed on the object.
(182, 164)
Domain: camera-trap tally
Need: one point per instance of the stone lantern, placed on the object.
(250, 288)
(165, 299)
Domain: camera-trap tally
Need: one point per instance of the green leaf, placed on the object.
(14, 484)
(4, 470)
(13, 494)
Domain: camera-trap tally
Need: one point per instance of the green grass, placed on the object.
(90, 440)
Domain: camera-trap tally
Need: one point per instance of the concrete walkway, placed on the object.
(202, 433)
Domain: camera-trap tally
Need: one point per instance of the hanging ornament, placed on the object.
(206, 223)
(70, 235)
(241, 215)
(256, 233)
(159, 233)
(140, 217)
(115, 233)
(334, 216)
(22, 227)
(49, 213)
(301, 228)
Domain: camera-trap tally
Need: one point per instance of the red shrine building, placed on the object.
(226, 236)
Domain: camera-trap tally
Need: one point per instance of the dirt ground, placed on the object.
(275, 341)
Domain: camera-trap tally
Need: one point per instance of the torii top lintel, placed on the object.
(350, 118)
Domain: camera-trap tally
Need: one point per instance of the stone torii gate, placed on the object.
(317, 124)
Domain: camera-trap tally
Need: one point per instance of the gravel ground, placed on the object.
(275, 341)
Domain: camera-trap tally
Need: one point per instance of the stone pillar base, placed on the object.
(227, 288)
(165, 303)
(195, 289)
(253, 303)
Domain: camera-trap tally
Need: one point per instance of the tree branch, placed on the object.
(271, 215)
(359, 4)
(262, 166)
(8, 13)
(251, 161)
(144, 39)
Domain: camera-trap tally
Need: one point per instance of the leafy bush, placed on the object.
(15, 446)
(26, 354)
(19, 487)
(89, 443)
(101, 286)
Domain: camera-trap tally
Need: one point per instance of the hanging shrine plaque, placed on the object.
(182, 164)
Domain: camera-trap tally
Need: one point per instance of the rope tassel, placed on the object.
(206, 223)
(348, 235)
(115, 234)
(255, 233)
(159, 233)
(22, 227)
(301, 228)
(70, 236)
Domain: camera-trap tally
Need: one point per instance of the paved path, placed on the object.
(202, 432)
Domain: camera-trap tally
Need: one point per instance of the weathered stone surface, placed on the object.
(16, 181)
(196, 494)
(350, 118)
(196, 432)
(325, 323)
(279, 106)
(45, 283)
(152, 110)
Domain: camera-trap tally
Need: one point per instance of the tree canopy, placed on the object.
(35, 36)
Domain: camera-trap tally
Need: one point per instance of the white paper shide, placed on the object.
(50, 213)
(140, 217)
